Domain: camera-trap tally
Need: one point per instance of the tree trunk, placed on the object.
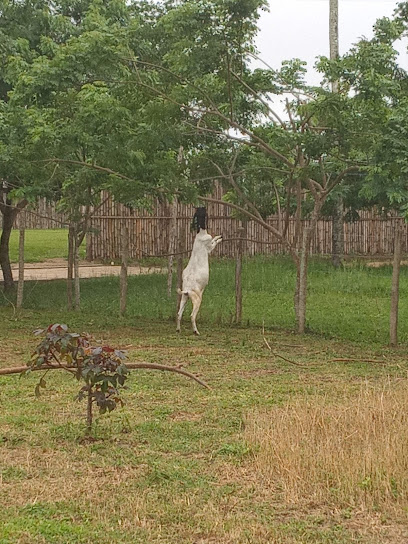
(77, 288)
(395, 286)
(70, 276)
(334, 36)
(88, 247)
(20, 286)
(180, 263)
(123, 269)
(238, 277)
(337, 233)
(337, 220)
(9, 215)
(172, 246)
(301, 261)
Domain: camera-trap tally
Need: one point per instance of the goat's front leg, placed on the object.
(215, 241)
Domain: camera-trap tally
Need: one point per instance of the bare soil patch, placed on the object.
(56, 269)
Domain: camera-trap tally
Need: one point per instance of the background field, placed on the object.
(255, 460)
(41, 245)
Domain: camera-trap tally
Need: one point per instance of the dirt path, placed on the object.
(56, 269)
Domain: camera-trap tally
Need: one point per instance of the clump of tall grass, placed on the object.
(354, 454)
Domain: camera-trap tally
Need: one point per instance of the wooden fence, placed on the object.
(149, 231)
(42, 216)
(149, 237)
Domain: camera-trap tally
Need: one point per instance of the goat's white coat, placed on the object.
(196, 275)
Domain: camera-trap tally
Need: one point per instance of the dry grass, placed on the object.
(353, 454)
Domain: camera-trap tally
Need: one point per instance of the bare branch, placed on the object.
(266, 225)
(89, 165)
(130, 366)
(281, 356)
(272, 114)
(237, 188)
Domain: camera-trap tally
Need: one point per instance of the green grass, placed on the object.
(350, 303)
(41, 245)
(173, 466)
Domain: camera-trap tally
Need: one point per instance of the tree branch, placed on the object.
(89, 165)
(130, 366)
(237, 188)
(273, 115)
(337, 180)
(251, 216)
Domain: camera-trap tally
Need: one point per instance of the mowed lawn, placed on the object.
(305, 442)
(41, 245)
(181, 464)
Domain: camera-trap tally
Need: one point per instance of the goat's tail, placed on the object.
(180, 292)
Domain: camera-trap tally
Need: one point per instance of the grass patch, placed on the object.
(180, 464)
(350, 303)
(41, 245)
(273, 453)
(346, 453)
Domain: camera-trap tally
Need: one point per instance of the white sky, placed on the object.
(300, 29)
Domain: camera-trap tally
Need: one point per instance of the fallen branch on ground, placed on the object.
(281, 356)
(130, 366)
(345, 360)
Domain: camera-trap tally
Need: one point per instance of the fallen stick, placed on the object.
(130, 366)
(281, 356)
(345, 360)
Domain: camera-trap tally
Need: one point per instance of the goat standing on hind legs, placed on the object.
(197, 272)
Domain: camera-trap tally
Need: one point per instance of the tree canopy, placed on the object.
(158, 99)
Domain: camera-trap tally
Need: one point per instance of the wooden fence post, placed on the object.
(20, 285)
(238, 276)
(123, 269)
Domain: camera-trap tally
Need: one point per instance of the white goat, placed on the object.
(196, 275)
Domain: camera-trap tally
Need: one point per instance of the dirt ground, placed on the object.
(54, 269)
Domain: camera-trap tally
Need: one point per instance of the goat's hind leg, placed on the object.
(196, 300)
(183, 302)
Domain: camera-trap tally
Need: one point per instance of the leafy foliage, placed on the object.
(102, 368)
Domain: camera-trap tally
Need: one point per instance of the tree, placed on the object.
(92, 114)
(209, 100)
(124, 93)
(26, 30)
(227, 109)
(371, 71)
(337, 222)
